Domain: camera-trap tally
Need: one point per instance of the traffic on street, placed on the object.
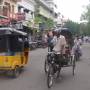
(44, 45)
(34, 77)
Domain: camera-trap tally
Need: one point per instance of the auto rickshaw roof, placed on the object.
(11, 31)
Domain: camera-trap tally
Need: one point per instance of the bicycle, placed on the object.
(53, 69)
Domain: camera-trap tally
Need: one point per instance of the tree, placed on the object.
(86, 14)
(38, 19)
(49, 23)
(86, 17)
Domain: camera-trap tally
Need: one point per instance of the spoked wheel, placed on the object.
(50, 77)
(73, 64)
(77, 56)
(58, 73)
(46, 65)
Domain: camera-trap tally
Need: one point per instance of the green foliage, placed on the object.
(38, 19)
(47, 21)
(50, 23)
(86, 16)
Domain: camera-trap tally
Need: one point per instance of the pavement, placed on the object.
(34, 77)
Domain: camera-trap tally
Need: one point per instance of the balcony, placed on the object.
(42, 2)
(16, 0)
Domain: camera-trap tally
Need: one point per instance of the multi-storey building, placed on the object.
(27, 7)
(44, 11)
(26, 10)
(50, 3)
(19, 11)
(53, 6)
(7, 10)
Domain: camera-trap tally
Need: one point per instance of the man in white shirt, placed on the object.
(59, 48)
(77, 46)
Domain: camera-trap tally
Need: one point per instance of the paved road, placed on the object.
(34, 78)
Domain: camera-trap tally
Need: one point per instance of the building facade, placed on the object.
(25, 11)
(27, 7)
(45, 12)
(8, 7)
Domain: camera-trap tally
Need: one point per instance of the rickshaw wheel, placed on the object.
(73, 65)
(15, 72)
(46, 65)
(21, 69)
(50, 76)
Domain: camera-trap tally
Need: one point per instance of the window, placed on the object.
(1, 2)
(8, 6)
(19, 9)
(6, 9)
(26, 10)
(12, 8)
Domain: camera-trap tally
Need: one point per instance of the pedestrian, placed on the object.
(54, 40)
(44, 39)
(49, 40)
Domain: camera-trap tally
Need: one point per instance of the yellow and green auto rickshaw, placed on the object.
(14, 50)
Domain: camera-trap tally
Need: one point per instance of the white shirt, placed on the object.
(60, 42)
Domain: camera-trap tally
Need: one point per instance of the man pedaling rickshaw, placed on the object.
(62, 47)
(60, 57)
(59, 48)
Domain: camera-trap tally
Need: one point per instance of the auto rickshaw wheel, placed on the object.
(21, 69)
(15, 72)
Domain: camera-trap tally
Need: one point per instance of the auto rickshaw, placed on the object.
(14, 50)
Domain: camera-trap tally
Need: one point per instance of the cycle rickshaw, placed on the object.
(52, 68)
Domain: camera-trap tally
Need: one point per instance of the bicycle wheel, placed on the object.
(77, 56)
(46, 65)
(50, 76)
(73, 64)
(58, 73)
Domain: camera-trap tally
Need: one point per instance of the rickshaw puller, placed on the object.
(59, 48)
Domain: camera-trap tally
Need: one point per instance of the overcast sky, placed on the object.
(71, 9)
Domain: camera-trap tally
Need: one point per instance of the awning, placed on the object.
(3, 17)
(4, 20)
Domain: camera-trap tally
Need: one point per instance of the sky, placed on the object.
(71, 9)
